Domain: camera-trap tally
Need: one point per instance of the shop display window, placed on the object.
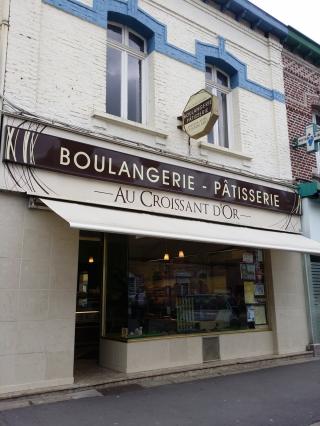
(178, 287)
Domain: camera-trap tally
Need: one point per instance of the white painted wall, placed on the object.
(38, 276)
(311, 229)
(154, 354)
(310, 218)
(57, 69)
(247, 344)
(290, 321)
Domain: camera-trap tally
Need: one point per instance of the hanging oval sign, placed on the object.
(200, 114)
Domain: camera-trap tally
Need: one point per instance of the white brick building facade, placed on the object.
(56, 68)
(55, 76)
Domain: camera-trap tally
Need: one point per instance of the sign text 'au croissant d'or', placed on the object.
(43, 151)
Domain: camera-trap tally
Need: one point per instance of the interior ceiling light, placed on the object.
(91, 259)
(166, 256)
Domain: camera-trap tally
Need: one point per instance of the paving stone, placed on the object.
(13, 403)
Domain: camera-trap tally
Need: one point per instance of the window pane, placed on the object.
(210, 288)
(114, 81)
(208, 73)
(117, 287)
(134, 89)
(115, 33)
(318, 159)
(223, 120)
(90, 277)
(211, 138)
(317, 119)
(222, 79)
(136, 42)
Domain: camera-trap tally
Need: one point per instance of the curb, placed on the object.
(149, 379)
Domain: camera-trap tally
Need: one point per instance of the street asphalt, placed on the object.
(287, 396)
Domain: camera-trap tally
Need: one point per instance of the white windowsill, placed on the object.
(222, 150)
(129, 124)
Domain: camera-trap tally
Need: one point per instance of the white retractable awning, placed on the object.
(127, 222)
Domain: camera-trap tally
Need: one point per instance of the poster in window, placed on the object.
(259, 290)
(260, 314)
(250, 313)
(247, 258)
(260, 255)
(259, 272)
(249, 290)
(248, 271)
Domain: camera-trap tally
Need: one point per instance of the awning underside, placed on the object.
(100, 219)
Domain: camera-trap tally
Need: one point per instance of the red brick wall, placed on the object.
(302, 89)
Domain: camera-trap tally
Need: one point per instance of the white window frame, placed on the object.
(213, 86)
(316, 114)
(126, 50)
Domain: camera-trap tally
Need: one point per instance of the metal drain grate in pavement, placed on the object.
(90, 393)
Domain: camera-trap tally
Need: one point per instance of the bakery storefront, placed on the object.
(173, 263)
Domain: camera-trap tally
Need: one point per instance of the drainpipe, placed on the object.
(4, 31)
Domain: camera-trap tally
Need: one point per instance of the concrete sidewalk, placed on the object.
(89, 378)
(282, 396)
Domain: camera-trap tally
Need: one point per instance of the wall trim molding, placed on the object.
(128, 13)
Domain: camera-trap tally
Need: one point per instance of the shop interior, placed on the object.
(156, 287)
(89, 291)
(182, 287)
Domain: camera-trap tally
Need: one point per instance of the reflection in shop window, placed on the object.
(213, 288)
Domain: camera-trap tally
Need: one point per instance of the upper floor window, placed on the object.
(125, 73)
(218, 83)
(316, 120)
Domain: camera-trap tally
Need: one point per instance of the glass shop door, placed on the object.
(89, 290)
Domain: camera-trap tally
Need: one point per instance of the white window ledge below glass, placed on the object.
(222, 150)
(113, 119)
